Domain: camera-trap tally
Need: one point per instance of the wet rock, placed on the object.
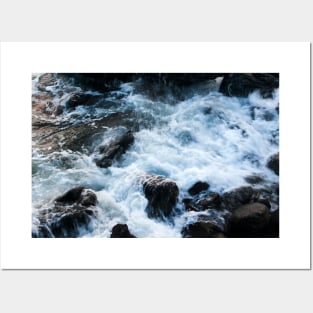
(249, 220)
(162, 195)
(202, 228)
(272, 231)
(202, 202)
(189, 205)
(198, 187)
(50, 137)
(254, 179)
(78, 195)
(40, 101)
(121, 231)
(59, 109)
(114, 150)
(42, 231)
(45, 81)
(99, 81)
(71, 195)
(111, 81)
(70, 215)
(162, 86)
(237, 197)
(70, 222)
(273, 163)
(267, 195)
(81, 98)
(242, 84)
(211, 200)
(171, 87)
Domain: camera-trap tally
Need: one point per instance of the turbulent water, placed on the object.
(205, 137)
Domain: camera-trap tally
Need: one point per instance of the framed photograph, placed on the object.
(155, 156)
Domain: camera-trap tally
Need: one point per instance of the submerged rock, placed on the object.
(203, 228)
(121, 231)
(242, 84)
(71, 214)
(162, 195)
(113, 151)
(249, 220)
(273, 163)
(198, 187)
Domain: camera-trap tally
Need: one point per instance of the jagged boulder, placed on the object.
(113, 151)
(121, 231)
(69, 215)
(162, 195)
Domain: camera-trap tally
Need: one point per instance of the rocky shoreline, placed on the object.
(248, 211)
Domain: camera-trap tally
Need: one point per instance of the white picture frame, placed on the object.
(290, 251)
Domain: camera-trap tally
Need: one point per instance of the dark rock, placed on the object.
(155, 85)
(272, 230)
(99, 81)
(203, 201)
(202, 228)
(273, 163)
(78, 195)
(235, 198)
(71, 213)
(59, 109)
(162, 195)
(198, 187)
(71, 195)
(242, 84)
(189, 205)
(88, 198)
(171, 86)
(254, 179)
(114, 150)
(211, 200)
(121, 231)
(69, 222)
(81, 98)
(249, 220)
(268, 196)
